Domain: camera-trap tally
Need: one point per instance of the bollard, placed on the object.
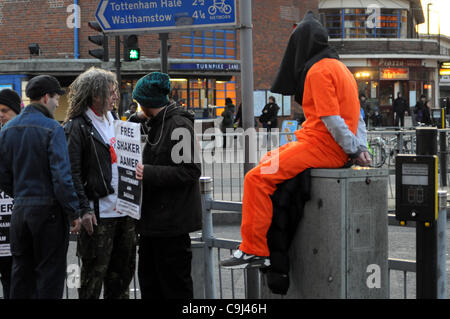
(442, 246)
(208, 236)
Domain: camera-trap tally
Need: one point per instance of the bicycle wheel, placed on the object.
(212, 10)
(227, 9)
(377, 154)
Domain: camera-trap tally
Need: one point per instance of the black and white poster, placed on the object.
(129, 153)
(6, 205)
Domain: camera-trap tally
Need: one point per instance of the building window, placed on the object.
(353, 23)
(224, 90)
(216, 44)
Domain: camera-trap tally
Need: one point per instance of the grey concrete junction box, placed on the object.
(340, 249)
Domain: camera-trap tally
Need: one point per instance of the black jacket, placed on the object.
(228, 118)
(171, 202)
(90, 159)
(400, 106)
(270, 113)
(422, 113)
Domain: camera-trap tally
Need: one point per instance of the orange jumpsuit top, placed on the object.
(337, 94)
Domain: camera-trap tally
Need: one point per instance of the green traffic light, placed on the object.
(133, 54)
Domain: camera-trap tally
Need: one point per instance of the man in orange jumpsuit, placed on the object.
(333, 132)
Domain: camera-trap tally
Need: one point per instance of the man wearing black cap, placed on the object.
(9, 108)
(35, 171)
(9, 105)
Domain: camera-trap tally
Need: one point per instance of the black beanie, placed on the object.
(11, 99)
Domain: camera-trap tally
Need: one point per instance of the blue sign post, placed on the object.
(136, 16)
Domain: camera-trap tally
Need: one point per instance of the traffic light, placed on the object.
(100, 40)
(131, 51)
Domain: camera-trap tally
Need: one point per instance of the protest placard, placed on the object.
(6, 205)
(129, 153)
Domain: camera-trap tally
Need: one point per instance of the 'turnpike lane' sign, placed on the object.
(134, 16)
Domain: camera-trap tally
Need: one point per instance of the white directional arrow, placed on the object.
(101, 14)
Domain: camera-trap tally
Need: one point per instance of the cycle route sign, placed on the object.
(142, 16)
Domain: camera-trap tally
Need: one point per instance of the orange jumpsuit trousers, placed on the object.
(330, 89)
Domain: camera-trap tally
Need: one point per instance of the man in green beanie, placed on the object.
(171, 206)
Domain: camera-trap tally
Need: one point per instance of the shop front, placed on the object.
(382, 79)
(200, 87)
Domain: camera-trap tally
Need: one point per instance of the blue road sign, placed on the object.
(135, 16)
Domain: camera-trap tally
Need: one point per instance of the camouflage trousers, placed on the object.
(108, 258)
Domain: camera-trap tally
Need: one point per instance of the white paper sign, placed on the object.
(6, 205)
(129, 153)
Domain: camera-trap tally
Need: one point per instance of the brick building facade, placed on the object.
(65, 53)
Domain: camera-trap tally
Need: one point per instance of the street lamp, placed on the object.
(428, 17)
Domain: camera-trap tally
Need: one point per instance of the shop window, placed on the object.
(224, 90)
(352, 23)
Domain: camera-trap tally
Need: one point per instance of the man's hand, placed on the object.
(88, 221)
(139, 171)
(76, 226)
(363, 159)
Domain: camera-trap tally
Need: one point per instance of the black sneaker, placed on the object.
(241, 260)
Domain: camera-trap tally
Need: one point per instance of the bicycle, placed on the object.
(221, 6)
(376, 147)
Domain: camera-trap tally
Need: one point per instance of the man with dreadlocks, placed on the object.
(107, 243)
(332, 134)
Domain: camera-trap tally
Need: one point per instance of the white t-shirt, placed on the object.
(105, 127)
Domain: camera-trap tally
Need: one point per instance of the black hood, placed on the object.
(307, 45)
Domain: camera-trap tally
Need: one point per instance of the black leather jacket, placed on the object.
(90, 159)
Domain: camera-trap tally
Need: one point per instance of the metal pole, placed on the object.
(443, 156)
(442, 246)
(246, 52)
(164, 52)
(426, 235)
(208, 236)
(118, 74)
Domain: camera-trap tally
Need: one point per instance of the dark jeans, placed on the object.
(164, 268)
(5, 272)
(399, 118)
(39, 242)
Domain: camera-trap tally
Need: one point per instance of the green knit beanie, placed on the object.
(152, 90)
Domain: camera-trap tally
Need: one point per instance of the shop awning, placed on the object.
(387, 4)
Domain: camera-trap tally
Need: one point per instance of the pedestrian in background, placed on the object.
(35, 171)
(364, 107)
(9, 109)
(107, 242)
(400, 107)
(228, 119)
(269, 117)
(132, 108)
(171, 206)
(422, 112)
(9, 105)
